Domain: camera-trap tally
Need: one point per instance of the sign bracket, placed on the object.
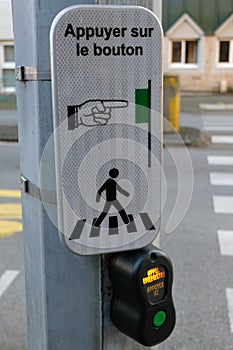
(32, 73)
(41, 194)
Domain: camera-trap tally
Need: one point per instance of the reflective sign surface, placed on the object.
(106, 76)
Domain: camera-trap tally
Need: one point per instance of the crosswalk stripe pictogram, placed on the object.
(76, 234)
(147, 221)
(95, 231)
(131, 227)
(113, 226)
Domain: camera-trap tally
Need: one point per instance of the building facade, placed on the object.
(7, 64)
(198, 44)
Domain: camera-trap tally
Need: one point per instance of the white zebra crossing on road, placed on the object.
(6, 279)
(218, 123)
(223, 205)
(220, 160)
(222, 139)
(221, 179)
(225, 239)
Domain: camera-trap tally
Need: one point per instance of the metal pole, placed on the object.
(63, 290)
(67, 295)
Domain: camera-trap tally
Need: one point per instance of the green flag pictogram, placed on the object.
(142, 105)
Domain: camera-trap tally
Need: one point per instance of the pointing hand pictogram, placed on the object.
(93, 112)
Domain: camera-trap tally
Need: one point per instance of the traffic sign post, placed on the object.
(68, 296)
(107, 126)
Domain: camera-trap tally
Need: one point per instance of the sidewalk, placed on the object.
(8, 125)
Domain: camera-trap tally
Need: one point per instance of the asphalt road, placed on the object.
(12, 291)
(201, 273)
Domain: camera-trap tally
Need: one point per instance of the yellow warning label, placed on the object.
(153, 275)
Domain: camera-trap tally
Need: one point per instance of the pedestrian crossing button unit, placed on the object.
(142, 306)
(107, 138)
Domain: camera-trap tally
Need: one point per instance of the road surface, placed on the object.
(201, 247)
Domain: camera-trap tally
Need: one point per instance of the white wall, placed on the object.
(7, 68)
(6, 26)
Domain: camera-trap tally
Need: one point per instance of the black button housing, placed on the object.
(142, 286)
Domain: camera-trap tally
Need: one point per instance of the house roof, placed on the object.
(208, 14)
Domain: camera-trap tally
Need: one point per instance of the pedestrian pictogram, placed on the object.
(111, 187)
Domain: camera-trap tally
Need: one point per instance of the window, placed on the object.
(185, 52)
(224, 44)
(9, 54)
(191, 52)
(185, 44)
(176, 51)
(9, 78)
(7, 71)
(225, 52)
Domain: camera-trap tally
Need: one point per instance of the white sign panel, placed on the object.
(107, 81)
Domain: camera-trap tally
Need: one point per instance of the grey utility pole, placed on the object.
(67, 295)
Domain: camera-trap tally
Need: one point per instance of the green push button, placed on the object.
(159, 318)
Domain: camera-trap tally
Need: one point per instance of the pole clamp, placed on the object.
(30, 73)
(41, 194)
